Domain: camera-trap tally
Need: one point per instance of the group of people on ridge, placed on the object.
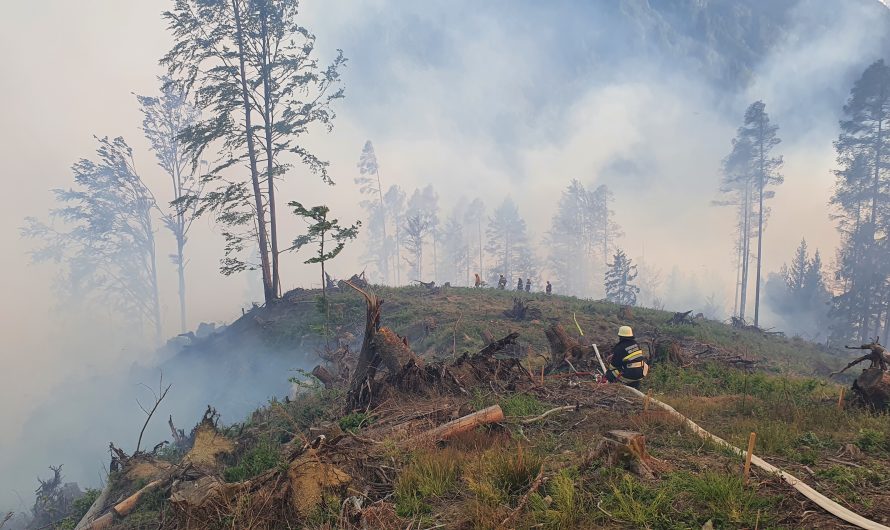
(520, 285)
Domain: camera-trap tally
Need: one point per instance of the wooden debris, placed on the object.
(626, 449)
(492, 414)
(310, 479)
(523, 310)
(872, 389)
(681, 318)
(565, 351)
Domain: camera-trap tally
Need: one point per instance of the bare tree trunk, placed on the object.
(383, 224)
(268, 285)
(481, 270)
(180, 266)
(270, 162)
(759, 231)
(155, 298)
(743, 298)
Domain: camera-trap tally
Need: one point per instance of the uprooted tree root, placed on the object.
(405, 373)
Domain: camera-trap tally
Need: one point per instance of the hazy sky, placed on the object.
(509, 98)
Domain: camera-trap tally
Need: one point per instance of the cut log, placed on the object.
(492, 414)
(322, 374)
(626, 449)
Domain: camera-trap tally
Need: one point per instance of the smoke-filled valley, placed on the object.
(194, 181)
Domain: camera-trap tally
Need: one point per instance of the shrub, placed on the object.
(354, 422)
(262, 457)
(871, 440)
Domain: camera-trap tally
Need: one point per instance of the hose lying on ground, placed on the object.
(821, 500)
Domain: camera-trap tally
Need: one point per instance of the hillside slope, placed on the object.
(539, 466)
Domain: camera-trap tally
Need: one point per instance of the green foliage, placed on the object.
(522, 405)
(354, 422)
(321, 231)
(260, 458)
(871, 440)
(79, 508)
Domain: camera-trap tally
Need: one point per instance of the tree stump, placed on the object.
(563, 347)
(872, 388)
(626, 449)
(625, 313)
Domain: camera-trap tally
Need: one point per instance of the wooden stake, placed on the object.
(748, 456)
(840, 400)
(542, 376)
(646, 401)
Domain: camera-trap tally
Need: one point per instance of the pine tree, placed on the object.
(378, 242)
(760, 134)
(862, 308)
(508, 242)
(417, 227)
(327, 233)
(737, 182)
(619, 277)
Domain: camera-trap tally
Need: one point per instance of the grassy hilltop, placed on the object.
(531, 471)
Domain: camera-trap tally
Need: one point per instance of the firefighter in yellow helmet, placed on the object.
(627, 363)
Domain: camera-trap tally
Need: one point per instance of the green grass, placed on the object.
(685, 500)
(260, 458)
(522, 405)
(428, 475)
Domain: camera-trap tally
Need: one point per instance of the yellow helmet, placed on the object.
(625, 331)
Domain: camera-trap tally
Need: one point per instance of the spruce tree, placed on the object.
(620, 275)
(862, 309)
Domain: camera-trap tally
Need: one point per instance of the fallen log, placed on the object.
(492, 414)
(123, 508)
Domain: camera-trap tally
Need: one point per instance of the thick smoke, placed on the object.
(477, 99)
